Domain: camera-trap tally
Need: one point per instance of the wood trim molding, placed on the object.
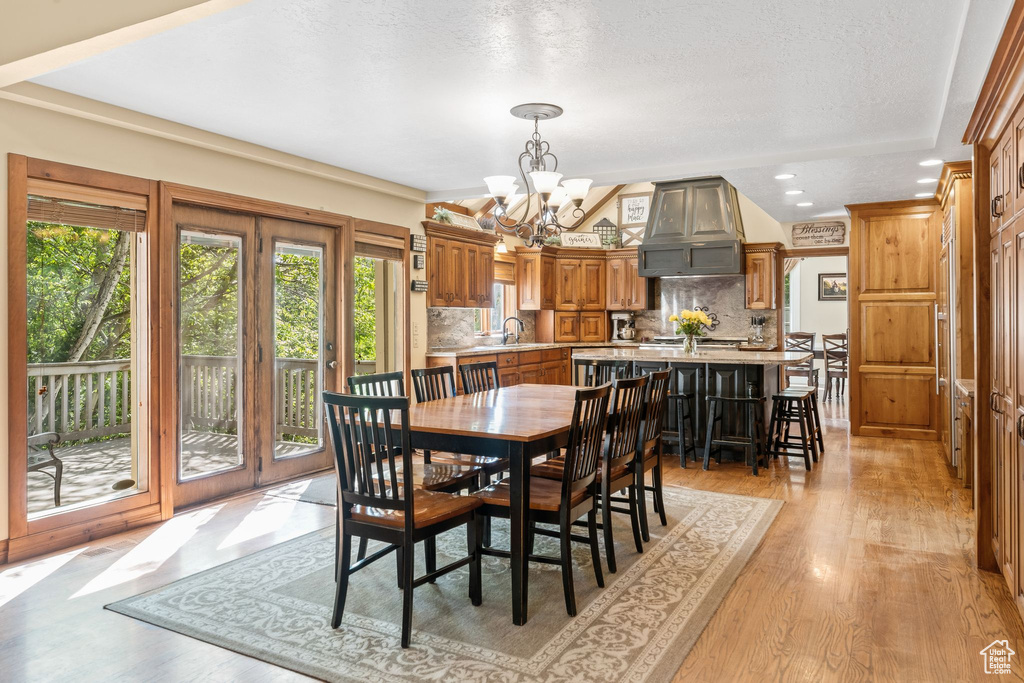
(263, 207)
(954, 170)
(4, 545)
(444, 231)
(454, 208)
(807, 252)
(900, 206)
(1004, 83)
(762, 247)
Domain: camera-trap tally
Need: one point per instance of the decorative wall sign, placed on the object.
(633, 209)
(606, 229)
(632, 237)
(829, 234)
(586, 240)
(832, 286)
(418, 261)
(419, 285)
(419, 243)
(467, 222)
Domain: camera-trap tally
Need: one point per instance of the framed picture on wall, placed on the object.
(633, 209)
(832, 286)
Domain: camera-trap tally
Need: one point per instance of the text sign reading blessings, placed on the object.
(819, 234)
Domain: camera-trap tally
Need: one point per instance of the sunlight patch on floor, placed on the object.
(152, 552)
(17, 580)
(269, 515)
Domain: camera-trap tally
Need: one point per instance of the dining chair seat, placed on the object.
(437, 476)
(545, 494)
(552, 469)
(429, 508)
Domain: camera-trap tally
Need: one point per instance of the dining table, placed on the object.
(516, 423)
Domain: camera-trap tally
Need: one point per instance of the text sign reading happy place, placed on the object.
(819, 234)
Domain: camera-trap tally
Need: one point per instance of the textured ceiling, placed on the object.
(847, 95)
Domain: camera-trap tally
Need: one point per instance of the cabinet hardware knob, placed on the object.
(331, 364)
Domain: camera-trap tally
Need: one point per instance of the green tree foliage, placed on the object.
(297, 297)
(208, 282)
(64, 267)
(366, 308)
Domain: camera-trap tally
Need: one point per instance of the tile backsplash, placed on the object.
(453, 328)
(724, 295)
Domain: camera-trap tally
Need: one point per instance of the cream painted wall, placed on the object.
(45, 134)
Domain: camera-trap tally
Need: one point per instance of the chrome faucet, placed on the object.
(518, 328)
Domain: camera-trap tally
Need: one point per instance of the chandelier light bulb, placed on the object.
(577, 188)
(545, 182)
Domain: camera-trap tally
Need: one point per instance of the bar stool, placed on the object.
(789, 407)
(752, 442)
(685, 423)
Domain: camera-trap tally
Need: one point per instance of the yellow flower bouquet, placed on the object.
(690, 323)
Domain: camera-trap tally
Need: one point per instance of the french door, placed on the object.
(257, 309)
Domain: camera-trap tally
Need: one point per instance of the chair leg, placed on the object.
(640, 483)
(566, 546)
(361, 554)
(659, 493)
(406, 580)
(341, 588)
(817, 424)
(707, 437)
(752, 448)
(430, 554)
(595, 550)
(57, 476)
(474, 530)
(811, 436)
(400, 562)
(682, 432)
(804, 435)
(606, 527)
(634, 517)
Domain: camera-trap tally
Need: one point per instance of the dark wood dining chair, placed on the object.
(563, 502)
(802, 341)
(443, 476)
(837, 359)
(620, 469)
(41, 457)
(370, 439)
(652, 448)
(378, 384)
(593, 373)
(432, 384)
(477, 377)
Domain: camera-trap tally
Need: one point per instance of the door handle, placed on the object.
(332, 364)
(992, 207)
(1020, 427)
(936, 349)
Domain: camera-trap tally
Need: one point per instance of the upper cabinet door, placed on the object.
(710, 215)
(455, 273)
(592, 285)
(616, 285)
(437, 285)
(666, 216)
(567, 285)
(636, 286)
(548, 295)
(1006, 207)
(528, 282)
(995, 188)
(1018, 158)
(472, 275)
(485, 277)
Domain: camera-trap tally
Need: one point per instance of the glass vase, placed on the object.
(690, 344)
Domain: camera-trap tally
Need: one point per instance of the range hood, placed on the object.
(694, 228)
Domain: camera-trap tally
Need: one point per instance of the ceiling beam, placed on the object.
(37, 36)
(454, 208)
(486, 208)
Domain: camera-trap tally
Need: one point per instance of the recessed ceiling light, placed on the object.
(794, 191)
(805, 204)
(785, 176)
(924, 181)
(925, 194)
(930, 162)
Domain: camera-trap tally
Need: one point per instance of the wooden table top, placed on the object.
(525, 412)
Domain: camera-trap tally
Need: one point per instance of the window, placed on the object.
(487, 321)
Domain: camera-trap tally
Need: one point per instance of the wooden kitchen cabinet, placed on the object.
(761, 275)
(567, 285)
(567, 327)
(535, 280)
(592, 284)
(531, 374)
(460, 266)
(593, 327)
(625, 289)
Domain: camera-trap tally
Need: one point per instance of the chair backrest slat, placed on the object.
(367, 458)
(800, 341)
(627, 414)
(837, 351)
(431, 384)
(654, 417)
(477, 377)
(586, 440)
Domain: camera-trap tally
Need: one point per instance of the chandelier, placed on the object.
(552, 192)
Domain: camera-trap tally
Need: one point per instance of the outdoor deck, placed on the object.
(91, 470)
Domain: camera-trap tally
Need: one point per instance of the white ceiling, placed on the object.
(849, 95)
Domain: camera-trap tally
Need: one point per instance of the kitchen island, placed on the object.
(722, 372)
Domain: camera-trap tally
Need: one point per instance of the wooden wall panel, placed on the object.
(894, 249)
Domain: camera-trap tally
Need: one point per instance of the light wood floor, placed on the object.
(865, 575)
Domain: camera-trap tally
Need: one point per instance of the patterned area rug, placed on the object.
(275, 605)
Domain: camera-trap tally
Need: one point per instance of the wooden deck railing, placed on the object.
(92, 399)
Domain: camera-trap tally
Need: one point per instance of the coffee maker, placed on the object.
(623, 327)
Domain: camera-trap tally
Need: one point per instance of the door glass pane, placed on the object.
(211, 387)
(378, 326)
(298, 344)
(85, 350)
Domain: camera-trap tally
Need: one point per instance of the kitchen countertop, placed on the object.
(538, 346)
(729, 356)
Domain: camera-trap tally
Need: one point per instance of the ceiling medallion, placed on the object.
(552, 192)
